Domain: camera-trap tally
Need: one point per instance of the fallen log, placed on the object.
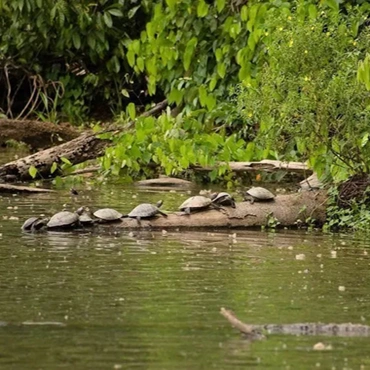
(36, 134)
(85, 147)
(265, 165)
(331, 329)
(285, 211)
(81, 149)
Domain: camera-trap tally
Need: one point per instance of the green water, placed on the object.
(151, 300)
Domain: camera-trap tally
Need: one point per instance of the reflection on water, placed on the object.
(151, 299)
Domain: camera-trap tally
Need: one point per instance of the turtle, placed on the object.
(64, 219)
(146, 210)
(84, 216)
(223, 198)
(33, 224)
(196, 203)
(258, 194)
(108, 215)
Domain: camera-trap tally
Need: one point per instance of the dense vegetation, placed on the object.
(245, 80)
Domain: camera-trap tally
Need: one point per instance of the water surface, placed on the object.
(151, 300)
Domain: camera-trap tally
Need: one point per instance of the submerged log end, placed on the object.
(248, 330)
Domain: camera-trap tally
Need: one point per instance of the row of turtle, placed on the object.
(83, 217)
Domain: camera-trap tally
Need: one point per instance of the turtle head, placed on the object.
(82, 210)
(159, 203)
(213, 195)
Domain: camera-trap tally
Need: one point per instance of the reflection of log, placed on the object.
(7, 188)
(286, 210)
(255, 331)
(79, 150)
(36, 134)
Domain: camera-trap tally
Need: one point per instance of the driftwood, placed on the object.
(7, 188)
(258, 331)
(81, 149)
(165, 181)
(286, 210)
(36, 134)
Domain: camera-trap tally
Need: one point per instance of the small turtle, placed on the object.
(196, 203)
(258, 194)
(84, 216)
(64, 219)
(33, 224)
(223, 198)
(108, 215)
(146, 210)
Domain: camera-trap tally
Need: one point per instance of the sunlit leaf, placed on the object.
(54, 167)
(131, 110)
(32, 171)
(66, 160)
(202, 9)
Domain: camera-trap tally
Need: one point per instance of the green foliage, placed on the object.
(80, 45)
(32, 171)
(174, 144)
(306, 101)
(355, 217)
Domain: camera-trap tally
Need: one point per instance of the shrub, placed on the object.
(306, 101)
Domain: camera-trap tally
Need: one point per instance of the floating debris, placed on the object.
(322, 347)
(300, 257)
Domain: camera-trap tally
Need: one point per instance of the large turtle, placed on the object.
(223, 198)
(108, 215)
(146, 210)
(258, 194)
(194, 204)
(63, 220)
(33, 224)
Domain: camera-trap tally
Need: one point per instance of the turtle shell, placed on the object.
(144, 210)
(196, 202)
(223, 198)
(27, 226)
(85, 218)
(63, 219)
(260, 193)
(108, 214)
